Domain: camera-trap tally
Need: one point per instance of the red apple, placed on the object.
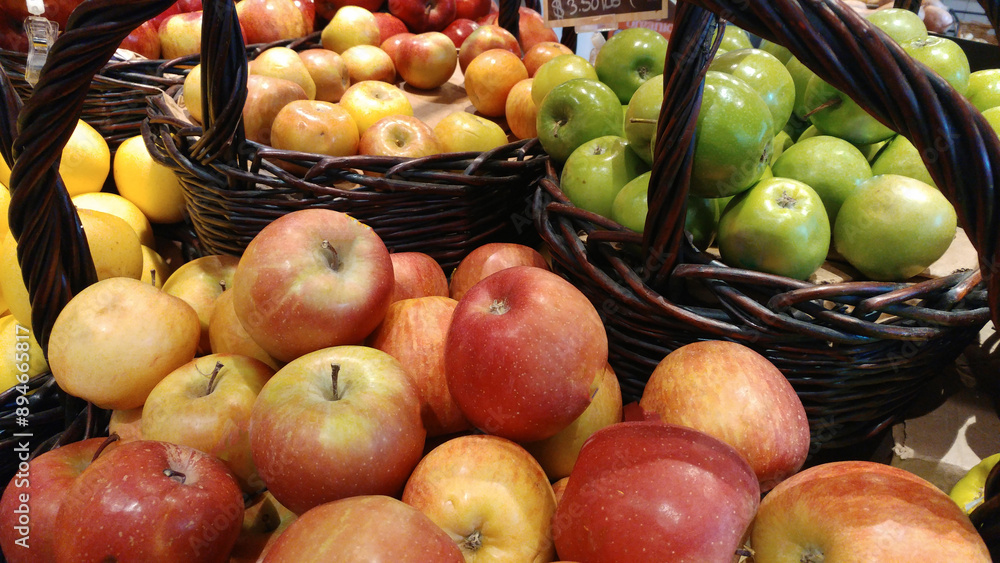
(459, 29)
(521, 110)
(524, 353)
(205, 404)
(150, 501)
(648, 491)
(426, 60)
(362, 529)
(391, 45)
(55, 10)
(12, 35)
(327, 8)
(174, 8)
(311, 279)
(199, 283)
(266, 21)
(531, 28)
(717, 387)
(33, 496)
(472, 9)
(489, 495)
(340, 422)
(423, 15)
(263, 521)
(144, 40)
(541, 53)
(414, 332)
(417, 275)
(308, 10)
(863, 511)
(180, 35)
(490, 258)
(389, 25)
(484, 38)
(189, 5)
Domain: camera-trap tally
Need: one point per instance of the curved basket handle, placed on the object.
(911, 5)
(992, 10)
(959, 148)
(52, 248)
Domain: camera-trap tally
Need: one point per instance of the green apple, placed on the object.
(944, 57)
(902, 158)
(631, 206)
(779, 226)
(834, 113)
(809, 133)
(597, 170)
(984, 88)
(801, 75)
(733, 39)
(575, 112)
(780, 143)
(892, 227)
(871, 150)
(732, 140)
(629, 58)
(902, 25)
(779, 51)
(557, 70)
(641, 115)
(767, 76)
(832, 167)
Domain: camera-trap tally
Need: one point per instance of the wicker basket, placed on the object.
(857, 353)
(444, 205)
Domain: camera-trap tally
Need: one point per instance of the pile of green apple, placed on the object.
(787, 171)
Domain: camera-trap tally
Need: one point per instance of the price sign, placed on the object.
(571, 13)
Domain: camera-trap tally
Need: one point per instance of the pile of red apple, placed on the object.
(320, 398)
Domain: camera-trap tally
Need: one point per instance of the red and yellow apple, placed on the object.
(490, 77)
(400, 136)
(315, 127)
(426, 60)
(490, 258)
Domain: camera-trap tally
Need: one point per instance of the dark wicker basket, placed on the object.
(444, 205)
(857, 353)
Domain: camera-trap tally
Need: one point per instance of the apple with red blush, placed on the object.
(144, 40)
(417, 275)
(426, 60)
(402, 136)
(490, 258)
(267, 21)
(326, 9)
(180, 35)
(472, 9)
(484, 38)
(459, 30)
(541, 53)
(423, 15)
(391, 46)
(174, 8)
(388, 25)
(531, 27)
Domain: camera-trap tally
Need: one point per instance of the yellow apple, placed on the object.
(227, 336)
(127, 424)
(521, 110)
(151, 186)
(115, 340)
(266, 96)
(489, 79)
(462, 131)
(155, 269)
(282, 62)
(192, 93)
(350, 26)
(329, 71)
(19, 349)
(371, 100)
(316, 127)
(368, 62)
(199, 283)
(119, 207)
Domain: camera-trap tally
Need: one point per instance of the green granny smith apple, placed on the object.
(597, 170)
(780, 143)
(631, 206)
(734, 38)
(809, 133)
(892, 227)
(575, 112)
(801, 75)
(779, 51)
(944, 57)
(984, 88)
(834, 113)
(871, 150)
(557, 70)
(900, 157)
(779, 226)
(641, 116)
(832, 167)
(629, 58)
(767, 76)
(732, 140)
(902, 25)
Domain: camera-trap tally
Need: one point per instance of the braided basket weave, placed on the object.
(857, 353)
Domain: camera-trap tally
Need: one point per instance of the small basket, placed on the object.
(857, 353)
(444, 205)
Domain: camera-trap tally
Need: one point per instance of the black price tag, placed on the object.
(566, 13)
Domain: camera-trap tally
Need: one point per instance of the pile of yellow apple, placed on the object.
(354, 94)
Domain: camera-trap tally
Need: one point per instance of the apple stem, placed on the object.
(214, 378)
(107, 442)
(222, 284)
(175, 475)
(473, 541)
(825, 105)
(152, 277)
(334, 258)
(335, 369)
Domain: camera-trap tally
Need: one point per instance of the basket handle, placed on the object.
(911, 5)
(52, 248)
(959, 148)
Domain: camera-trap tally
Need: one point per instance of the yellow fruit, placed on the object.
(154, 268)
(85, 161)
(4, 173)
(19, 349)
(119, 207)
(152, 187)
(114, 247)
(4, 207)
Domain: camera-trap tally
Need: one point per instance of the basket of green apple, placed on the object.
(838, 256)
